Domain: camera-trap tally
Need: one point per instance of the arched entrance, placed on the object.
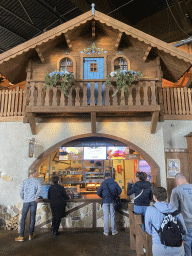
(72, 141)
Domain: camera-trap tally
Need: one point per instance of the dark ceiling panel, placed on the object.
(21, 20)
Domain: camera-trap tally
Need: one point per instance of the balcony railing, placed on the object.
(89, 96)
(92, 93)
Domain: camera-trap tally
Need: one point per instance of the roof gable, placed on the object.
(164, 50)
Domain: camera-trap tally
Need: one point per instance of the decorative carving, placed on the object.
(93, 49)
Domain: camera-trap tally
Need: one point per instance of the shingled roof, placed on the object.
(13, 62)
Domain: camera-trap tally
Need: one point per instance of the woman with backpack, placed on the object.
(143, 194)
(165, 225)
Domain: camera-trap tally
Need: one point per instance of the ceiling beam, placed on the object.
(23, 39)
(51, 10)
(82, 5)
(16, 16)
(179, 14)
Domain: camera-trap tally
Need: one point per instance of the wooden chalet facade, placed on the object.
(109, 45)
(153, 120)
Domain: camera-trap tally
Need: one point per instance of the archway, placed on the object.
(76, 139)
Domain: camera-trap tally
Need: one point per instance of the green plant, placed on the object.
(124, 79)
(66, 80)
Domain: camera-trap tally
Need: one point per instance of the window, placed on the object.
(66, 65)
(93, 67)
(120, 63)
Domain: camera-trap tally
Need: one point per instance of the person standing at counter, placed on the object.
(143, 194)
(29, 192)
(57, 196)
(108, 191)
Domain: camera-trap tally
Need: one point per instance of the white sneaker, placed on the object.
(105, 234)
(115, 233)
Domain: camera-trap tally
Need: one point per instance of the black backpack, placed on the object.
(170, 230)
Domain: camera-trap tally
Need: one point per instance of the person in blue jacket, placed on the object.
(108, 191)
(154, 217)
(143, 191)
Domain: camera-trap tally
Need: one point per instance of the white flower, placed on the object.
(113, 73)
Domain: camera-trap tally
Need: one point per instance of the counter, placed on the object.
(84, 212)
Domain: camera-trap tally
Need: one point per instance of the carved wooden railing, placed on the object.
(173, 101)
(143, 92)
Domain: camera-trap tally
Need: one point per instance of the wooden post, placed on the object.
(93, 122)
(154, 121)
(132, 226)
(32, 123)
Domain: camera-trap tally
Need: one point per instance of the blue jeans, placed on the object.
(108, 208)
(188, 242)
(33, 208)
(141, 210)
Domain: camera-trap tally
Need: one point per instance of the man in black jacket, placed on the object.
(108, 191)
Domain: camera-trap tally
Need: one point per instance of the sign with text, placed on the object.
(95, 153)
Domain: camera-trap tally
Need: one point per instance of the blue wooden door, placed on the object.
(93, 68)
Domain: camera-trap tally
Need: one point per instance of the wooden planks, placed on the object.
(11, 102)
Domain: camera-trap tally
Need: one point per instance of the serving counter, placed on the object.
(84, 212)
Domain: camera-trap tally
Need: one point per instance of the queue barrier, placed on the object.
(138, 238)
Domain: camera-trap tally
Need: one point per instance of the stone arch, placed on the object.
(155, 169)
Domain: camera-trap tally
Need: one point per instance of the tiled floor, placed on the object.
(79, 243)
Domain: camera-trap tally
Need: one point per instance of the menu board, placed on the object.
(117, 153)
(144, 167)
(71, 153)
(95, 153)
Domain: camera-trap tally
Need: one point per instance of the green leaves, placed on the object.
(66, 80)
(124, 79)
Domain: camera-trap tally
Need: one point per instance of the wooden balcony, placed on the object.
(93, 99)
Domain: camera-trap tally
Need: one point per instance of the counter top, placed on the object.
(89, 197)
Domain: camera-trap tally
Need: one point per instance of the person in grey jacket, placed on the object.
(29, 192)
(153, 219)
(181, 198)
(108, 191)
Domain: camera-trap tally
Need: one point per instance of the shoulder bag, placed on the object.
(133, 199)
(117, 200)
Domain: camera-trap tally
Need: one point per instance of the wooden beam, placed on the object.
(93, 122)
(40, 54)
(88, 109)
(118, 40)
(68, 41)
(32, 123)
(93, 28)
(147, 53)
(154, 121)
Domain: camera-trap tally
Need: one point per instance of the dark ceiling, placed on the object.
(20, 20)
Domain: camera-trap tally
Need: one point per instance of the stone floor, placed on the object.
(70, 243)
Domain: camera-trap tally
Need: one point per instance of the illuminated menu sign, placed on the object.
(71, 153)
(117, 153)
(95, 153)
